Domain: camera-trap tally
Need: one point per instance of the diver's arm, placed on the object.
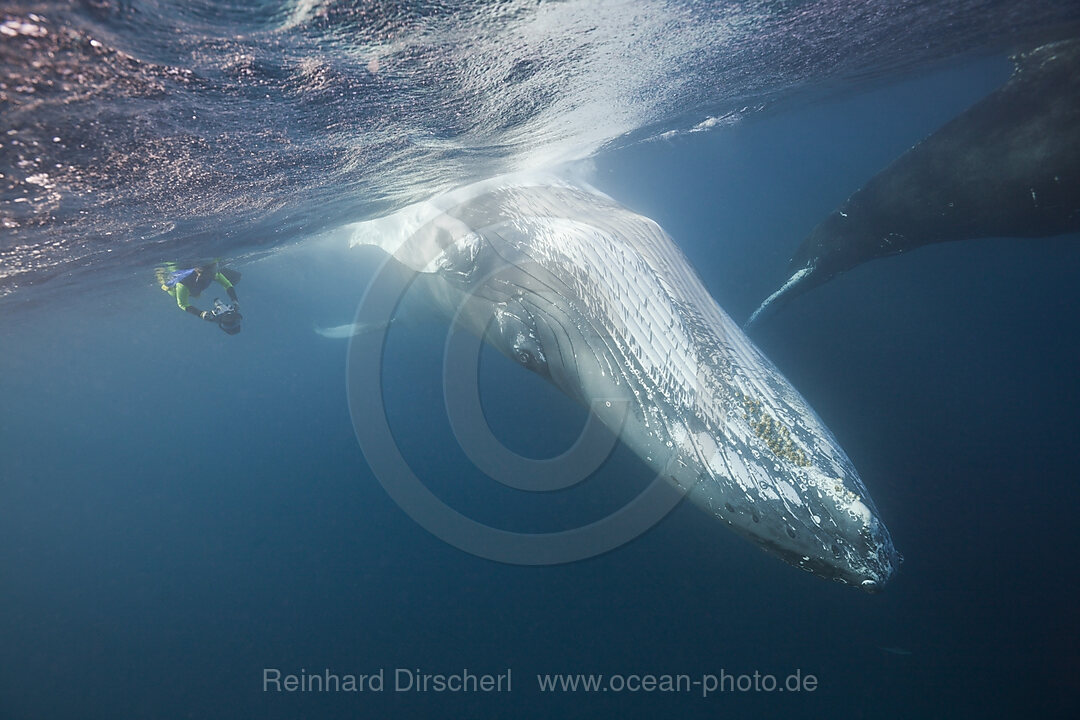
(229, 289)
(182, 295)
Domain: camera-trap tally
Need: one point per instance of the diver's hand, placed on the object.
(207, 315)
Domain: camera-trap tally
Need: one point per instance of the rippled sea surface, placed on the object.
(140, 130)
(182, 510)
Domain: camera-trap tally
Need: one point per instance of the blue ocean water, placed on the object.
(181, 509)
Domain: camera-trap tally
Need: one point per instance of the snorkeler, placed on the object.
(190, 282)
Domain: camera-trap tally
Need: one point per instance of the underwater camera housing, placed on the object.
(228, 317)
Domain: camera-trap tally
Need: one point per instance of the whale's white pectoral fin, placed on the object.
(344, 332)
(786, 288)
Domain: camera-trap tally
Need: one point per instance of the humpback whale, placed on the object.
(1009, 166)
(599, 301)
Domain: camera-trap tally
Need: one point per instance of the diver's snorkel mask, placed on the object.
(228, 317)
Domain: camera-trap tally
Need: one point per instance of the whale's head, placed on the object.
(839, 536)
(777, 476)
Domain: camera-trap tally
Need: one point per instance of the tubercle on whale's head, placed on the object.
(871, 558)
(868, 557)
(844, 541)
(857, 548)
(794, 493)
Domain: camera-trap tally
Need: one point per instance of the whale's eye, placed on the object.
(527, 352)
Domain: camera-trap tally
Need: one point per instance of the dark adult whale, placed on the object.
(1009, 166)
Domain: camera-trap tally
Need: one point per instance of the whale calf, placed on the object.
(599, 301)
(1009, 166)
